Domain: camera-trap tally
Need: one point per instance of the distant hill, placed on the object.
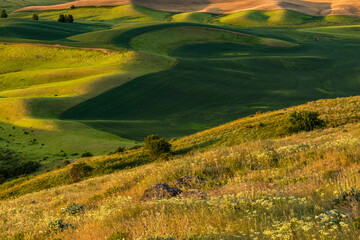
(318, 8)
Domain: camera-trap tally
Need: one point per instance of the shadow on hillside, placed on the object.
(174, 5)
(313, 8)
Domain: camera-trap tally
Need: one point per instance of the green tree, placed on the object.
(69, 18)
(35, 17)
(61, 18)
(156, 146)
(3, 14)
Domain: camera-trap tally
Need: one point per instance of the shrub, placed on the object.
(35, 17)
(72, 7)
(61, 18)
(3, 14)
(79, 171)
(118, 150)
(73, 209)
(302, 121)
(117, 235)
(87, 154)
(135, 147)
(347, 197)
(156, 146)
(58, 225)
(65, 163)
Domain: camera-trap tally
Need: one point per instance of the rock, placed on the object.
(187, 182)
(193, 193)
(159, 191)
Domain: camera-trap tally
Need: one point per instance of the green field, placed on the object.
(154, 72)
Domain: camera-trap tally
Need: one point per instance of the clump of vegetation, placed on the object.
(302, 121)
(87, 154)
(156, 146)
(3, 14)
(67, 18)
(58, 226)
(18, 169)
(35, 17)
(79, 171)
(118, 235)
(118, 150)
(135, 147)
(333, 217)
(65, 163)
(348, 196)
(73, 209)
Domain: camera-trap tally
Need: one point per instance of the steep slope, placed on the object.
(318, 8)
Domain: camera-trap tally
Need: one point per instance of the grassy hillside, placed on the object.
(259, 184)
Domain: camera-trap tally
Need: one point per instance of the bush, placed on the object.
(156, 146)
(118, 235)
(35, 17)
(73, 209)
(3, 14)
(118, 150)
(79, 171)
(2, 179)
(135, 147)
(58, 225)
(302, 121)
(87, 154)
(65, 163)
